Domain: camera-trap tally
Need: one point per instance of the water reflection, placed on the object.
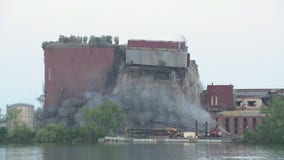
(140, 151)
(21, 152)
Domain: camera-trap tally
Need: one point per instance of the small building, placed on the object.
(26, 115)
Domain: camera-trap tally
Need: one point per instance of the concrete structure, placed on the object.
(157, 58)
(72, 71)
(157, 53)
(26, 115)
(158, 45)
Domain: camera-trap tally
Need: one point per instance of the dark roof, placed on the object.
(256, 92)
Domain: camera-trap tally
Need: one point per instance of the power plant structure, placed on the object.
(73, 68)
(72, 71)
(134, 75)
(152, 81)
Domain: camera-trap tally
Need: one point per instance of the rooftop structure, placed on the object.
(159, 58)
(157, 45)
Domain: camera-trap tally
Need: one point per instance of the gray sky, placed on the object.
(237, 42)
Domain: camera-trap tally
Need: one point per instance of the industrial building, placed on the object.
(82, 71)
(237, 110)
(74, 67)
(26, 115)
(71, 71)
(237, 122)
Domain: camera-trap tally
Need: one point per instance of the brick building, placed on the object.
(236, 110)
(220, 98)
(238, 121)
(72, 71)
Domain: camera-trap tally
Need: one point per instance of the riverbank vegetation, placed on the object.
(272, 128)
(107, 119)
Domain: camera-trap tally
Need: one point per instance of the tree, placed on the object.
(52, 133)
(85, 39)
(109, 118)
(272, 129)
(89, 120)
(3, 134)
(78, 134)
(21, 133)
(105, 119)
(116, 40)
(13, 117)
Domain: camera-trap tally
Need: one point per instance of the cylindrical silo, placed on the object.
(26, 115)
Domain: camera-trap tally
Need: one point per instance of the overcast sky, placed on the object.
(238, 42)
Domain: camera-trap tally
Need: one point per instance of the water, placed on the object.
(141, 151)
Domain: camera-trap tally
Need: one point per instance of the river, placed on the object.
(140, 151)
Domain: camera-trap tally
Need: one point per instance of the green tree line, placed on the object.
(272, 128)
(104, 120)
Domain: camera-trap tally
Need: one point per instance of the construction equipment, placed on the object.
(174, 132)
(215, 132)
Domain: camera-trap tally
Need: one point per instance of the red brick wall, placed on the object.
(156, 44)
(223, 94)
(222, 122)
(70, 72)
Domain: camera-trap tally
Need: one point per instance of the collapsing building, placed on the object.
(151, 80)
(71, 71)
(158, 58)
(237, 110)
(159, 84)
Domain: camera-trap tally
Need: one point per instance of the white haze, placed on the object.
(155, 103)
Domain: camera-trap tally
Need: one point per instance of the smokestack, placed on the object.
(206, 128)
(196, 128)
